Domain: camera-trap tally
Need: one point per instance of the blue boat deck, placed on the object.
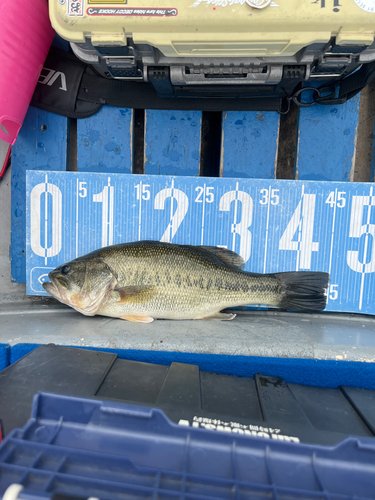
(172, 143)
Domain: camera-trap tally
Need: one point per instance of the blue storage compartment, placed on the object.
(111, 450)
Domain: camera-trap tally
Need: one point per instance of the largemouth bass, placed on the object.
(146, 280)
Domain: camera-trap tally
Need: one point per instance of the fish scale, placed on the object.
(147, 280)
(205, 285)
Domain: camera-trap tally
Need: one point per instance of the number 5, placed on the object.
(333, 292)
(82, 190)
(357, 229)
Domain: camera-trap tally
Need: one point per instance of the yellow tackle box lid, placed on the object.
(216, 28)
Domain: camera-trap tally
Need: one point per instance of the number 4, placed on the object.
(304, 224)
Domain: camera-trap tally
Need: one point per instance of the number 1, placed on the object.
(106, 199)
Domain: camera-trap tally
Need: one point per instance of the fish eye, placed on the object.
(65, 269)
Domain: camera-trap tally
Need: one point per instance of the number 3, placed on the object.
(241, 228)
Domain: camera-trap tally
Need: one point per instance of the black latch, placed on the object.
(295, 72)
(159, 77)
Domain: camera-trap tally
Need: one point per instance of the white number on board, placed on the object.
(142, 190)
(209, 194)
(240, 228)
(106, 199)
(275, 198)
(38, 246)
(338, 198)
(177, 215)
(333, 292)
(302, 221)
(82, 189)
(358, 229)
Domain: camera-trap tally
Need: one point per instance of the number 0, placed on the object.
(41, 248)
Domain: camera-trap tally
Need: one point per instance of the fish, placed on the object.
(146, 280)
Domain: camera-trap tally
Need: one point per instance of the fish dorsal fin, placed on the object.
(127, 293)
(228, 257)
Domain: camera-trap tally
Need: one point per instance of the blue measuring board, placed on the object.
(276, 225)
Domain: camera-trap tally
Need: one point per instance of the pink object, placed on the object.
(25, 38)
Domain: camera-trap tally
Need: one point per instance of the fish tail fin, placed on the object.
(303, 290)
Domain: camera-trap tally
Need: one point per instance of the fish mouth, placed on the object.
(52, 288)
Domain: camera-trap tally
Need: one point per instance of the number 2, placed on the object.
(176, 217)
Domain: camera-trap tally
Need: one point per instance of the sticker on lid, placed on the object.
(107, 1)
(96, 11)
(367, 5)
(256, 4)
(75, 8)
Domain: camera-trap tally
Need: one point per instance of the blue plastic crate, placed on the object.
(89, 447)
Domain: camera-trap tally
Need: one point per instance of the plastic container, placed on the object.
(262, 405)
(87, 447)
(25, 38)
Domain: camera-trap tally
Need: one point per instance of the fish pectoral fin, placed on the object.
(221, 316)
(138, 319)
(126, 293)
